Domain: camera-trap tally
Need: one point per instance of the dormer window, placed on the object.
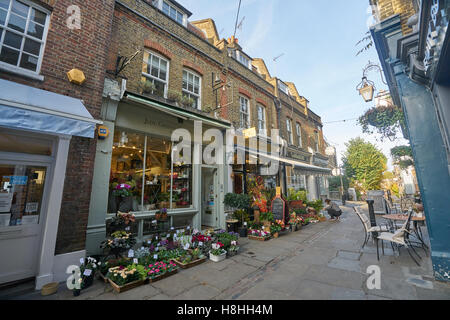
(283, 87)
(244, 60)
(172, 12)
(241, 57)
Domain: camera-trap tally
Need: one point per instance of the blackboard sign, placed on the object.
(279, 209)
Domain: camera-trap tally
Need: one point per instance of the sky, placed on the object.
(316, 39)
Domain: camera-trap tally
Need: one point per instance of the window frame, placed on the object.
(146, 75)
(298, 128)
(241, 98)
(177, 12)
(199, 95)
(262, 131)
(289, 131)
(24, 35)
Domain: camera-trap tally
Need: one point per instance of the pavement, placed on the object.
(322, 261)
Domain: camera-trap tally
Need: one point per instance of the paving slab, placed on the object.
(176, 284)
(200, 292)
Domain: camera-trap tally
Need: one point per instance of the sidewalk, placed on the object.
(321, 261)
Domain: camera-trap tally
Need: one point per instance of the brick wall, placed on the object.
(388, 8)
(85, 49)
(192, 52)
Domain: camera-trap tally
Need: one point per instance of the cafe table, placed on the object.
(417, 222)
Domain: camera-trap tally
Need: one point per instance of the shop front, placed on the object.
(36, 127)
(147, 171)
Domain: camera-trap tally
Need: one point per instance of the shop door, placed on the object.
(209, 197)
(22, 214)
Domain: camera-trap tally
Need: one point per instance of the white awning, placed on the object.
(29, 108)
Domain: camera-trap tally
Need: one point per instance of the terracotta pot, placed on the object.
(276, 235)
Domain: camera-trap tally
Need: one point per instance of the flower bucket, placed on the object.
(214, 258)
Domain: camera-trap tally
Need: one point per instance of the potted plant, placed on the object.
(267, 218)
(88, 268)
(275, 228)
(124, 196)
(296, 199)
(161, 215)
(118, 242)
(160, 270)
(260, 235)
(174, 96)
(233, 249)
(217, 253)
(187, 101)
(124, 278)
(241, 203)
(147, 87)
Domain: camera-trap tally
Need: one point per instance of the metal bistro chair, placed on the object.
(400, 238)
(368, 228)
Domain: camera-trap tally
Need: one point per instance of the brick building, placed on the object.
(47, 131)
(179, 73)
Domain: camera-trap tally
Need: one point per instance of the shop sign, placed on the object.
(103, 132)
(279, 208)
(17, 180)
(31, 207)
(297, 156)
(438, 22)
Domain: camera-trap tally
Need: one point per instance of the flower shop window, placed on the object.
(143, 177)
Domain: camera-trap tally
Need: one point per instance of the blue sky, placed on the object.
(317, 38)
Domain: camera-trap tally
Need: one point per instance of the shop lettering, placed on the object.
(147, 121)
(201, 311)
(434, 28)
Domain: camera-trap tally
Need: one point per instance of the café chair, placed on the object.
(368, 228)
(400, 238)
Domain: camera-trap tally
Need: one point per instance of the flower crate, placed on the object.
(162, 276)
(215, 258)
(126, 287)
(190, 264)
(258, 238)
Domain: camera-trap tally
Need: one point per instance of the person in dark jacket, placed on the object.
(333, 210)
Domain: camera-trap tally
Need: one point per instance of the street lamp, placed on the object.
(366, 87)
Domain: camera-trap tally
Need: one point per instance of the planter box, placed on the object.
(259, 238)
(127, 286)
(190, 264)
(214, 258)
(163, 276)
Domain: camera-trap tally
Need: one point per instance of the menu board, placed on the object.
(279, 209)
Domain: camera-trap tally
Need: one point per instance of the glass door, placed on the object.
(21, 216)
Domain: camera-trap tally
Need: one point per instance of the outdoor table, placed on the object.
(416, 220)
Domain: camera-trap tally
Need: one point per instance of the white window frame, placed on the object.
(247, 125)
(241, 56)
(16, 68)
(283, 87)
(146, 75)
(289, 131)
(261, 110)
(299, 134)
(160, 5)
(199, 95)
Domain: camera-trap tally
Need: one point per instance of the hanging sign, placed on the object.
(103, 132)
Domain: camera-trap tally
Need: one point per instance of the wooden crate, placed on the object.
(259, 238)
(163, 276)
(126, 287)
(190, 264)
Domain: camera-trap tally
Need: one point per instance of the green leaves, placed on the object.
(364, 164)
(386, 121)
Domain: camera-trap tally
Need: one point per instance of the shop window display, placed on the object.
(132, 190)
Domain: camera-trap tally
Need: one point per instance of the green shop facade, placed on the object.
(137, 154)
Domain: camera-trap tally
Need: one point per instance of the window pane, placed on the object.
(2, 17)
(21, 188)
(180, 18)
(163, 70)
(166, 8)
(35, 30)
(13, 40)
(160, 88)
(20, 8)
(32, 47)
(155, 66)
(38, 16)
(29, 62)
(17, 23)
(4, 4)
(9, 56)
(126, 172)
(185, 76)
(191, 83)
(173, 13)
(196, 85)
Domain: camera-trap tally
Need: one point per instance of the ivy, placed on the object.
(402, 156)
(384, 120)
